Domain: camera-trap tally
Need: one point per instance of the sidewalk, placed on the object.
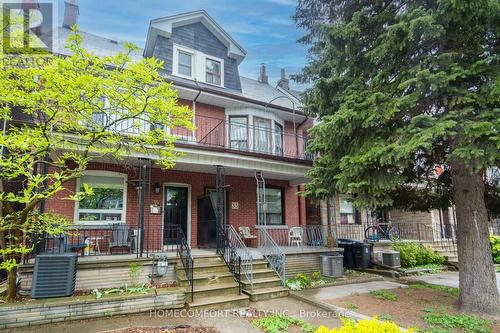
(327, 293)
(447, 279)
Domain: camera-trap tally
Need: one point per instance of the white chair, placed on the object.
(245, 233)
(295, 236)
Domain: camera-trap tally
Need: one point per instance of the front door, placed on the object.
(175, 213)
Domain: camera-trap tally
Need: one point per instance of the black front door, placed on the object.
(175, 213)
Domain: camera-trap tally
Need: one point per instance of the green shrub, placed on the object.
(415, 254)
(495, 248)
(315, 276)
(304, 280)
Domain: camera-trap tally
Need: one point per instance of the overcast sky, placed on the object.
(263, 27)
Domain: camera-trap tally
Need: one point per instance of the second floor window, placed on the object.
(213, 70)
(185, 65)
(238, 133)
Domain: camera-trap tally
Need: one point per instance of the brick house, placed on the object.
(247, 126)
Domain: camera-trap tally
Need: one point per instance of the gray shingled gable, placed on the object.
(196, 36)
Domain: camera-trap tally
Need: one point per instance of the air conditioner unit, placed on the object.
(391, 259)
(54, 275)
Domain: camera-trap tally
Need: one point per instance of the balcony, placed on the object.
(238, 137)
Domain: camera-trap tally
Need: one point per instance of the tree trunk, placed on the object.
(11, 285)
(477, 280)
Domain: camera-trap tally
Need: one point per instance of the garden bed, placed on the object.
(428, 307)
(43, 311)
(315, 280)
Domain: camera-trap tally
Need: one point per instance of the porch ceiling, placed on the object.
(204, 161)
(241, 165)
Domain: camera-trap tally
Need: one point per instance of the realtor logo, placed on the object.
(28, 26)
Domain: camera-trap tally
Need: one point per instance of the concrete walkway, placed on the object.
(327, 293)
(448, 279)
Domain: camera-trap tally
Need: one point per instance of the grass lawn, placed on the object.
(428, 307)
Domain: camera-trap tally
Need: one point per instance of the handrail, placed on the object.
(272, 253)
(229, 253)
(184, 252)
(245, 255)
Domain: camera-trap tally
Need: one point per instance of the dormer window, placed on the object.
(185, 63)
(213, 71)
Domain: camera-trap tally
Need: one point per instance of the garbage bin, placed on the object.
(363, 255)
(348, 246)
(332, 265)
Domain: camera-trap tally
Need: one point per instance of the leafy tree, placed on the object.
(61, 114)
(401, 88)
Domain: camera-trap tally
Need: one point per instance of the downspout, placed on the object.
(297, 138)
(196, 98)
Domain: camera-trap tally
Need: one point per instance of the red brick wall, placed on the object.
(241, 190)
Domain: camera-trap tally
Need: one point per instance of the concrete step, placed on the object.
(218, 289)
(203, 268)
(262, 283)
(220, 302)
(204, 279)
(263, 273)
(266, 293)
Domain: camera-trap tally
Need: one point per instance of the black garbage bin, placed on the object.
(363, 255)
(348, 246)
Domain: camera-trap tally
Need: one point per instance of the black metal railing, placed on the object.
(229, 253)
(244, 137)
(104, 240)
(184, 253)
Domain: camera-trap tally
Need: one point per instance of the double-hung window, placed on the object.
(278, 139)
(106, 205)
(238, 132)
(262, 135)
(348, 214)
(274, 206)
(213, 72)
(184, 63)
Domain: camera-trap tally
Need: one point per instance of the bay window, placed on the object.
(107, 204)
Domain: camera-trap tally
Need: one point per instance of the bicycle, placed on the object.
(381, 230)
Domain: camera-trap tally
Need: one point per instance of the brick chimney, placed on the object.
(284, 82)
(71, 12)
(263, 75)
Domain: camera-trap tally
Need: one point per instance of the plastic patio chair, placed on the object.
(295, 236)
(120, 237)
(245, 233)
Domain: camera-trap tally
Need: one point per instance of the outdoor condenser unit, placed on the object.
(391, 259)
(54, 275)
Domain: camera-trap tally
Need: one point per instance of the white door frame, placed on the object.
(189, 222)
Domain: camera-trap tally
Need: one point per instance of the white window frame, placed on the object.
(221, 62)
(198, 65)
(175, 62)
(123, 211)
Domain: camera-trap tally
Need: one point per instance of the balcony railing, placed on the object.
(239, 137)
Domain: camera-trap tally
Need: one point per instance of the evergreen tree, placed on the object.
(401, 88)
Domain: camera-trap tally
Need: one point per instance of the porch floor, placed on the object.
(255, 252)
